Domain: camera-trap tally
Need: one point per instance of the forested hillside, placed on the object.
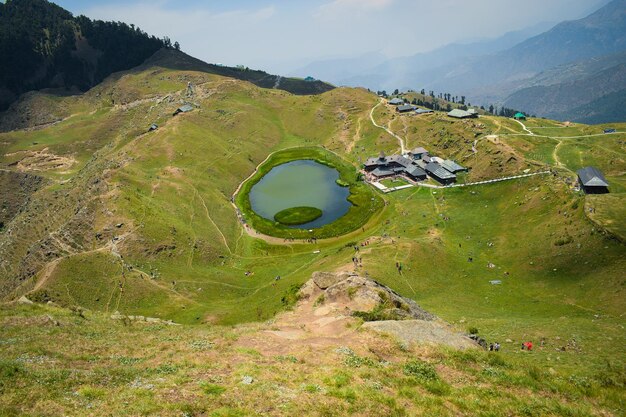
(42, 46)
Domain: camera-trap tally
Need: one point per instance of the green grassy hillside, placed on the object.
(142, 223)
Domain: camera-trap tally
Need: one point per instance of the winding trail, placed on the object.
(400, 140)
(525, 128)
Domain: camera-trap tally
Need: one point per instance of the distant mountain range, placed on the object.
(551, 73)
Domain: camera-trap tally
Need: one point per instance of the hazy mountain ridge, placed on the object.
(375, 71)
(581, 85)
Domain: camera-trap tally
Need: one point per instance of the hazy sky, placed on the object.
(282, 35)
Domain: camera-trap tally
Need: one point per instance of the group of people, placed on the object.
(494, 347)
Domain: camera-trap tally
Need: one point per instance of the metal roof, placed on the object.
(416, 171)
(423, 111)
(452, 166)
(419, 151)
(373, 162)
(185, 108)
(405, 107)
(379, 172)
(396, 101)
(458, 113)
(592, 177)
(405, 162)
(439, 171)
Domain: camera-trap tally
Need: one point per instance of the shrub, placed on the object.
(292, 296)
(472, 330)
(420, 370)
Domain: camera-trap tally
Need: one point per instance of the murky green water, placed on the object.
(301, 183)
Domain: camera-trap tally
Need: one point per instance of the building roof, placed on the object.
(405, 162)
(419, 151)
(460, 114)
(381, 172)
(421, 163)
(472, 111)
(592, 177)
(423, 111)
(405, 107)
(519, 115)
(426, 158)
(452, 166)
(396, 101)
(439, 171)
(185, 108)
(415, 171)
(373, 162)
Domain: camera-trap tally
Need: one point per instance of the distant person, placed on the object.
(529, 345)
(490, 346)
(496, 347)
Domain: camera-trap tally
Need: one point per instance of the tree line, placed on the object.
(43, 45)
(444, 101)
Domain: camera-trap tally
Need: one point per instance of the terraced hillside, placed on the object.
(142, 223)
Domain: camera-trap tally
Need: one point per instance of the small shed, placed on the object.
(592, 181)
(185, 108)
(396, 101)
(405, 108)
(423, 111)
(609, 130)
(152, 127)
(519, 116)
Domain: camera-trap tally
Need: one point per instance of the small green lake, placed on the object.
(302, 183)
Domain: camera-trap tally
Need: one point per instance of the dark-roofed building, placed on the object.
(415, 173)
(405, 108)
(418, 153)
(421, 163)
(461, 114)
(152, 127)
(383, 172)
(185, 108)
(592, 181)
(373, 163)
(440, 174)
(452, 166)
(396, 101)
(426, 158)
(399, 161)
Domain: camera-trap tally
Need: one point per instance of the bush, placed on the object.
(292, 296)
(421, 370)
(472, 330)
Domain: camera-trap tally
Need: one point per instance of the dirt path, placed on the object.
(400, 140)
(524, 127)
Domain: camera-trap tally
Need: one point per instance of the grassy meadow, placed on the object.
(142, 223)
